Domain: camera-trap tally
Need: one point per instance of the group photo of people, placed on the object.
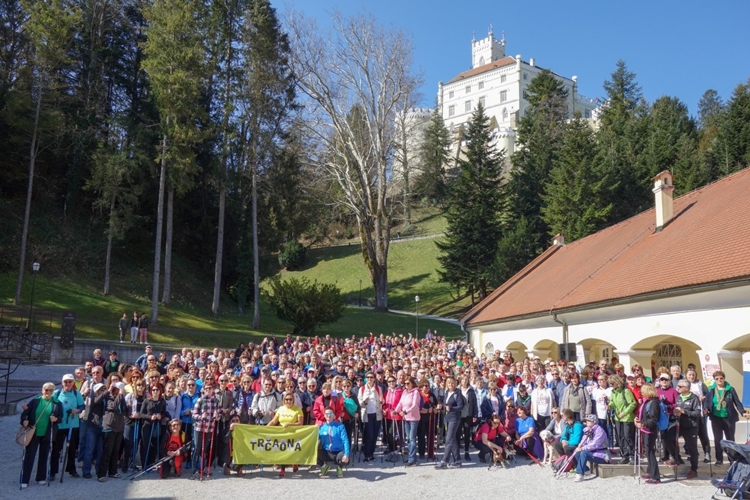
(378, 401)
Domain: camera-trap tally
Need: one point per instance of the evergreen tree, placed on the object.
(735, 132)
(669, 122)
(468, 252)
(576, 195)
(434, 159)
(711, 113)
(621, 140)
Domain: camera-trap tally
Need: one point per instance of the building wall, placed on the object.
(715, 321)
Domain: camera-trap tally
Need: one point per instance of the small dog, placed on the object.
(502, 457)
(550, 454)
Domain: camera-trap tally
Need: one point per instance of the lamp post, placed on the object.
(35, 268)
(416, 299)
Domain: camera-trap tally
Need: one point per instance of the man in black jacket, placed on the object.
(688, 410)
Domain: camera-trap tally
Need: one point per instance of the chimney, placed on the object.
(559, 240)
(663, 188)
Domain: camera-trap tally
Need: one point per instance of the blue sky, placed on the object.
(675, 48)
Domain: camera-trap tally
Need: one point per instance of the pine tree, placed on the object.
(176, 66)
(576, 195)
(435, 161)
(735, 131)
(468, 252)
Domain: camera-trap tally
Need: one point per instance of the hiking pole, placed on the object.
(49, 452)
(676, 458)
(65, 455)
(180, 450)
(135, 438)
(148, 447)
(203, 451)
(211, 446)
(23, 459)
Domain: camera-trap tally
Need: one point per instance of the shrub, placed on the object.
(292, 255)
(306, 305)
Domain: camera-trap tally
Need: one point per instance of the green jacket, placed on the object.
(623, 401)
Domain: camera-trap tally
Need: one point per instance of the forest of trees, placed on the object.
(571, 178)
(137, 130)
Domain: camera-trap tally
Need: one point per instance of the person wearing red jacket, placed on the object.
(393, 421)
(327, 399)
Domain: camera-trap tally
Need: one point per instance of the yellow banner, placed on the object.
(258, 444)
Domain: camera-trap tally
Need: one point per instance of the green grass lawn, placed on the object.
(187, 320)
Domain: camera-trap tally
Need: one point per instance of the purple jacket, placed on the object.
(595, 440)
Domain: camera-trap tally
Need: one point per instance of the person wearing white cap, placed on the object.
(113, 427)
(71, 403)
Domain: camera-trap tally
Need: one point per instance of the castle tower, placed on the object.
(487, 50)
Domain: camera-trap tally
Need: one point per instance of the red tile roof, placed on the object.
(505, 61)
(707, 241)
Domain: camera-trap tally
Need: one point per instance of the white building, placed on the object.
(499, 83)
(410, 129)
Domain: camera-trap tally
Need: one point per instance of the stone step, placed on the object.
(704, 470)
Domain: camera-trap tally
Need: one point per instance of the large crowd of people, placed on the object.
(405, 400)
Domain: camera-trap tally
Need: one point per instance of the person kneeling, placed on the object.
(593, 447)
(490, 438)
(333, 444)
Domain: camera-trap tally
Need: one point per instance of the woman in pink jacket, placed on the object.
(393, 429)
(408, 408)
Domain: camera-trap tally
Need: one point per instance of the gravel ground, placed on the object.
(361, 481)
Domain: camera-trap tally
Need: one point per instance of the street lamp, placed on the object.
(35, 268)
(416, 299)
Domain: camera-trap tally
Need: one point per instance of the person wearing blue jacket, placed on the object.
(71, 404)
(571, 435)
(333, 444)
(189, 399)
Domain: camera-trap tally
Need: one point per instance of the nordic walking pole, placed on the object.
(49, 452)
(211, 446)
(676, 447)
(148, 447)
(65, 455)
(20, 478)
(203, 450)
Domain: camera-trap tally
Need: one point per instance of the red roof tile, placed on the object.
(707, 241)
(505, 61)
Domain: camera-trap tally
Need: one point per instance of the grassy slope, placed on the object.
(412, 271)
(188, 321)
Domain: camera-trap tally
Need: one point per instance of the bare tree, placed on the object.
(357, 64)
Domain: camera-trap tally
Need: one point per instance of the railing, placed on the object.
(16, 338)
(6, 370)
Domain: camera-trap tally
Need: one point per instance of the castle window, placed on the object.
(451, 110)
(503, 78)
(503, 95)
(525, 76)
(481, 101)
(481, 85)
(481, 61)
(505, 114)
(467, 106)
(468, 89)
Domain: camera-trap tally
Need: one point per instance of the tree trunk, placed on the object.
(407, 196)
(380, 283)
(29, 191)
(168, 249)
(157, 245)
(109, 245)
(256, 262)
(219, 252)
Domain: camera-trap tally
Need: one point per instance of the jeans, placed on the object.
(94, 447)
(410, 432)
(83, 426)
(586, 456)
(372, 428)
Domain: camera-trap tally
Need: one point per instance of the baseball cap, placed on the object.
(68, 376)
(591, 418)
(119, 386)
(664, 376)
(98, 387)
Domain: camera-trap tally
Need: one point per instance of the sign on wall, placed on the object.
(709, 364)
(68, 333)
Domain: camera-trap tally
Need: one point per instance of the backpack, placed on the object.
(663, 423)
(560, 463)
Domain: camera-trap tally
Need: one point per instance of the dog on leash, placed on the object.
(502, 457)
(550, 453)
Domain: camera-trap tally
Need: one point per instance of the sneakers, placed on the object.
(718, 462)
(295, 468)
(24, 486)
(441, 465)
(707, 458)
(102, 479)
(42, 483)
(691, 475)
(653, 481)
(324, 470)
(670, 462)
(75, 474)
(454, 465)
(282, 473)
(410, 464)
(624, 460)
(579, 478)
(339, 472)
(87, 476)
